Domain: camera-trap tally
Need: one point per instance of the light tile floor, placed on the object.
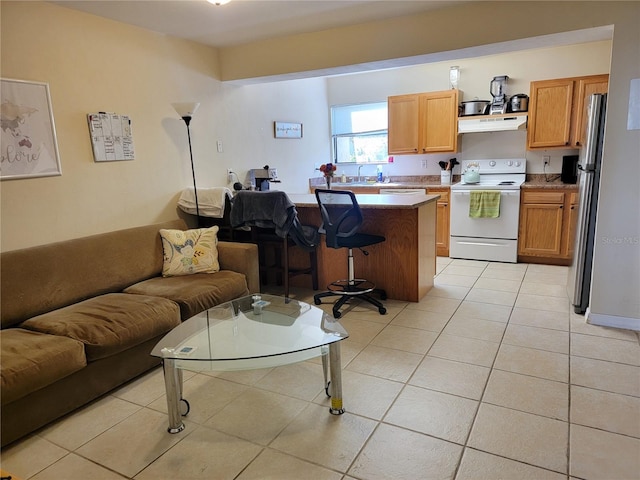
(490, 376)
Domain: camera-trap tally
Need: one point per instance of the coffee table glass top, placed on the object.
(251, 332)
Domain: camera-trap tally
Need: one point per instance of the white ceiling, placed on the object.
(244, 21)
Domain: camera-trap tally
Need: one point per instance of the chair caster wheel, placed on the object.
(317, 301)
(337, 314)
(186, 407)
(382, 311)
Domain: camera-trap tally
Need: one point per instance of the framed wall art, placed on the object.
(287, 130)
(29, 143)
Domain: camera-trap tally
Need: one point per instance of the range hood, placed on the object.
(492, 123)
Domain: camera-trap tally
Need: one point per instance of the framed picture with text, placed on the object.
(287, 130)
(29, 143)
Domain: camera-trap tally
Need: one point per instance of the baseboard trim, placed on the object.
(628, 323)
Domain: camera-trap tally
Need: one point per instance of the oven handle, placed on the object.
(508, 193)
(484, 244)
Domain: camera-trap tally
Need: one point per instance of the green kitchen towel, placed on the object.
(484, 204)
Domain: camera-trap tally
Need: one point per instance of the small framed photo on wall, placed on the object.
(287, 130)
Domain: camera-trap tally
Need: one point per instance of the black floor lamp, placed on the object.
(186, 111)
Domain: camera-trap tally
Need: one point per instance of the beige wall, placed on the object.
(91, 65)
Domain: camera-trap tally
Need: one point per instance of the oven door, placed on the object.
(503, 227)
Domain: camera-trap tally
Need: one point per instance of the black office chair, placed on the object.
(342, 217)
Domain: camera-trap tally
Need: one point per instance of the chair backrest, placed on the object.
(341, 215)
(272, 209)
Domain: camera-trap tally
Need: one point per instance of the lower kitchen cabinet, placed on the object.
(442, 220)
(547, 226)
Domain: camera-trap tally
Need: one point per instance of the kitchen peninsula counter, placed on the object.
(404, 265)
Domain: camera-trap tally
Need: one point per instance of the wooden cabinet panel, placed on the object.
(547, 226)
(442, 220)
(558, 110)
(423, 123)
(541, 229)
(573, 220)
(587, 86)
(438, 122)
(550, 113)
(543, 197)
(402, 112)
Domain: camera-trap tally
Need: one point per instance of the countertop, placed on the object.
(533, 180)
(553, 182)
(373, 201)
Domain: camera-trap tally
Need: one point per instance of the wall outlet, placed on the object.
(219, 146)
(230, 174)
(424, 164)
(546, 159)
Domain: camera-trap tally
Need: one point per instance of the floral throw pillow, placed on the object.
(190, 251)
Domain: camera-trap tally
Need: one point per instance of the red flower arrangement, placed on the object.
(327, 169)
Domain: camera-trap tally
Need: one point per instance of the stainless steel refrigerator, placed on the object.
(579, 280)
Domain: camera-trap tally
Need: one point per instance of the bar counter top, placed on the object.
(373, 201)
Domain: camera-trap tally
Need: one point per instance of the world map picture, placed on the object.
(28, 145)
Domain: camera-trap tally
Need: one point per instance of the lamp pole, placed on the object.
(186, 111)
(187, 120)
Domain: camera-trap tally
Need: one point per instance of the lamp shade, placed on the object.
(185, 109)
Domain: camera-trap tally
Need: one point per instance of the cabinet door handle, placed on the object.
(561, 206)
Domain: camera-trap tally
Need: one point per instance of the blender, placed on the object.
(498, 89)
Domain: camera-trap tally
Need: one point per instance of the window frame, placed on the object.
(369, 133)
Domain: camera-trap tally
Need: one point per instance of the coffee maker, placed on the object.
(498, 89)
(261, 178)
(569, 173)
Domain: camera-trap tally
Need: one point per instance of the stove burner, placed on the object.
(507, 182)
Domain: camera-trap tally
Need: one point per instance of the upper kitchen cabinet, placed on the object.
(423, 123)
(587, 86)
(558, 110)
(402, 111)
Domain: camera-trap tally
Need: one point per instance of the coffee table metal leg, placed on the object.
(336, 379)
(173, 387)
(325, 371)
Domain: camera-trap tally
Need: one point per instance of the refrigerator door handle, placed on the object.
(588, 168)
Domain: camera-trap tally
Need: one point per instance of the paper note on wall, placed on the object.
(111, 136)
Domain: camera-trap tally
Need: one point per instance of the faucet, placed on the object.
(359, 167)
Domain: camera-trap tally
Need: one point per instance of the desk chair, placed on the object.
(275, 228)
(341, 220)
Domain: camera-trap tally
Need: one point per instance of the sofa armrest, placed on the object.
(241, 258)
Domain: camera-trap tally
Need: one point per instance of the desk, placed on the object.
(404, 265)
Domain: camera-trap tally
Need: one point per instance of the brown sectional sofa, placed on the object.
(79, 317)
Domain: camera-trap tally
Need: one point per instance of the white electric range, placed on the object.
(493, 239)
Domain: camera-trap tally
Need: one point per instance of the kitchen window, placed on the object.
(359, 133)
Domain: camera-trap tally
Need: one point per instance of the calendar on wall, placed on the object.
(111, 136)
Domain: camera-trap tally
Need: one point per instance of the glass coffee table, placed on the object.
(252, 332)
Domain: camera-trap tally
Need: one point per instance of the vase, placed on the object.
(328, 180)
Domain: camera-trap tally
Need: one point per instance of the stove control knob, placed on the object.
(492, 163)
(517, 164)
(509, 163)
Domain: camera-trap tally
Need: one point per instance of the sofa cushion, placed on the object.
(109, 324)
(32, 360)
(190, 251)
(195, 293)
(41, 279)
